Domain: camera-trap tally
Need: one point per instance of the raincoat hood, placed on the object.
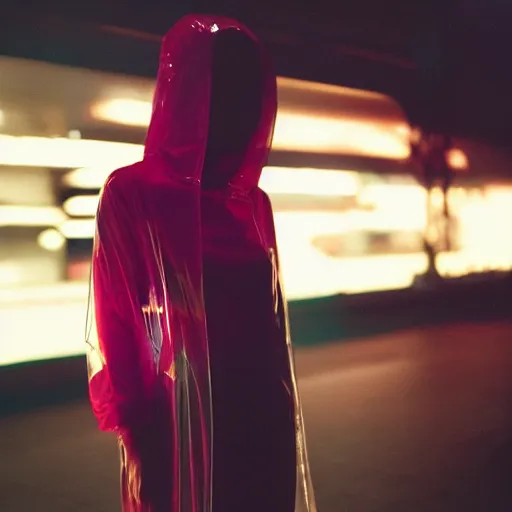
(186, 87)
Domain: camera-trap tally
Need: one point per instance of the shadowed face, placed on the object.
(235, 105)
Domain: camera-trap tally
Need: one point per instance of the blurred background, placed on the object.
(391, 183)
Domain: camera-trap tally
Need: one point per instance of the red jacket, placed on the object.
(190, 357)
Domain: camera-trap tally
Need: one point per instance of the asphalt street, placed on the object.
(414, 421)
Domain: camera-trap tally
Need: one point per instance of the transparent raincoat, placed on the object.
(190, 359)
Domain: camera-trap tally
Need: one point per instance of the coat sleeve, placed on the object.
(121, 368)
(266, 225)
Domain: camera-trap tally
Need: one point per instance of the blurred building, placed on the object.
(350, 215)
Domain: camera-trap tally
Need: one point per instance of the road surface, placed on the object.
(414, 421)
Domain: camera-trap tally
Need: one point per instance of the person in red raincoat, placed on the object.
(190, 359)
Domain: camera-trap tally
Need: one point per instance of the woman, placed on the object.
(190, 359)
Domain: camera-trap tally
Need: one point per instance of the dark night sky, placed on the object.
(447, 62)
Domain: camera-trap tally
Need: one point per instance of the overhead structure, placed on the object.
(313, 118)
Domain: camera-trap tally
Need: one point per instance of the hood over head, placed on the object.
(215, 103)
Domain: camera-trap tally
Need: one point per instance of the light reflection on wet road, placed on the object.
(418, 420)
